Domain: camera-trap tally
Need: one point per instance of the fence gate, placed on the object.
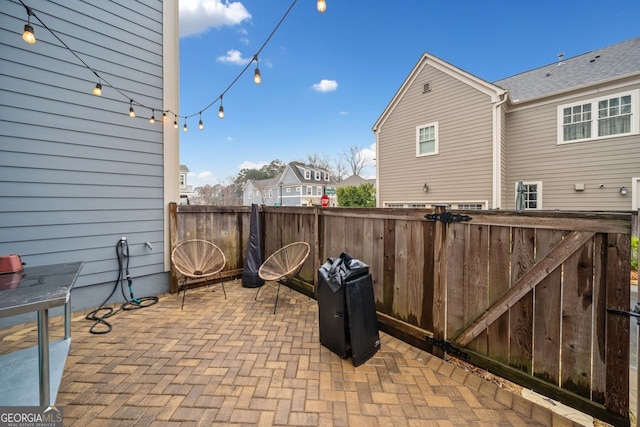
(527, 298)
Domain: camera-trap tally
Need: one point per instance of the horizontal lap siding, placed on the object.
(76, 172)
(463, 168)
(534, 155)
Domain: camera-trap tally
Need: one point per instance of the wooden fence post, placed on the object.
(173, 236)
(440, 281)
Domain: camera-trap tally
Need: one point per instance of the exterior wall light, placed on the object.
(425, 188)
(623, 191)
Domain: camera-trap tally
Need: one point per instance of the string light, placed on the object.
(97, 91)
(200, 124)
(29, 34)
(29, 37)
(132, 113)
(164, 116)
(256, 74)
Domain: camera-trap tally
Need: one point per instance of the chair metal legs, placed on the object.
(184, 287)
(277, 295)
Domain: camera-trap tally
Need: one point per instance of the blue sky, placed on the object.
(327, 77)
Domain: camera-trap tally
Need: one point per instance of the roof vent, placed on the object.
(560, 58)
(426, 88)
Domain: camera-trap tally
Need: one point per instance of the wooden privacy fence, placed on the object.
(527, 296)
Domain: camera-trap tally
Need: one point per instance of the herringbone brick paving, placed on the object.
(233, 362)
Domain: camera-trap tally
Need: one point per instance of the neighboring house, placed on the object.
(76, 172)
(355, 181)
(568, 133)
(186, 190)
(298, 185)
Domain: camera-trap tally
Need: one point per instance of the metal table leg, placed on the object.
(43, 357)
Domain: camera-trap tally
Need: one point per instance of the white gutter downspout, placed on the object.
(497, 153)
(378, 170)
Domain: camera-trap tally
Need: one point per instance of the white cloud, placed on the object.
(344, 113)
(325, 86)
(206, 175)
(198, 16)
(233, 57)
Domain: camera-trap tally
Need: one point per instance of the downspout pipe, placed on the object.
(497, 152)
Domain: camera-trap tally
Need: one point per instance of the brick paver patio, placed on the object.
(232, 362)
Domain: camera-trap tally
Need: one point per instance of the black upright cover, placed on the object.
(346, 307)
(250, 278)
(332, 318)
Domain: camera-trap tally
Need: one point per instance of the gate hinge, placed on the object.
(447, 347)
(447, 217)
(635, 313)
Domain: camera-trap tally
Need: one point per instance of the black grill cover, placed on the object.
(250, 278)
(346, 308)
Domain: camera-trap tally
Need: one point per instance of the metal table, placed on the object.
(37, 289)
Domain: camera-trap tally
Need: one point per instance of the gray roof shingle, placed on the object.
(599, 65)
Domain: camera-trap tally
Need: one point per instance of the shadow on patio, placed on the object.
(233, 362)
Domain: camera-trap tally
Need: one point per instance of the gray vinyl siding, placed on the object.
(76, 172)
(462, 171)
(534, 155)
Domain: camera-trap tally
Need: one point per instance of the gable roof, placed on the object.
(477, 83)
(615, 61)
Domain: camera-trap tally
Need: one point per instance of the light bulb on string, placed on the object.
(29, 34)
(132, 113)
(221, 109)
(152, 119)
(97, 91)
(322, 6)
(164, 116)
(184, 128)
(200, 124)
(256, 74)
(175, 123)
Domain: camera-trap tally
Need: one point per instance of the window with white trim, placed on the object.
(299, 189)
(288, 190)
(532, 195)
(271, 194)
(470, 206)
(605, 117)
(427, 139)
(319, 190)
(307, 174)
(318, 175)
(309, 189)
(326, 176)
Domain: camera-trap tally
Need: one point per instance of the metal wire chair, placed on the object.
(198, 259)
(283, 264)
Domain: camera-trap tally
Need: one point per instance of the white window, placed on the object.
(307, 174)
(257, 192)
(309, 189)
(318, 176)
(427, 139)
(298, 189)
(183, 180)
(326, 176)
(319, 190)
(532, 195)
(271, 194)
(417, 205)
(250, 195)
(470, 206)
(288, 190)
(613, 115)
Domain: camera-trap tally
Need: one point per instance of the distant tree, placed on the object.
(355, 159)
(364, 195)
(321, 161)
(267, 171)
(206, 195)
(339, 170)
